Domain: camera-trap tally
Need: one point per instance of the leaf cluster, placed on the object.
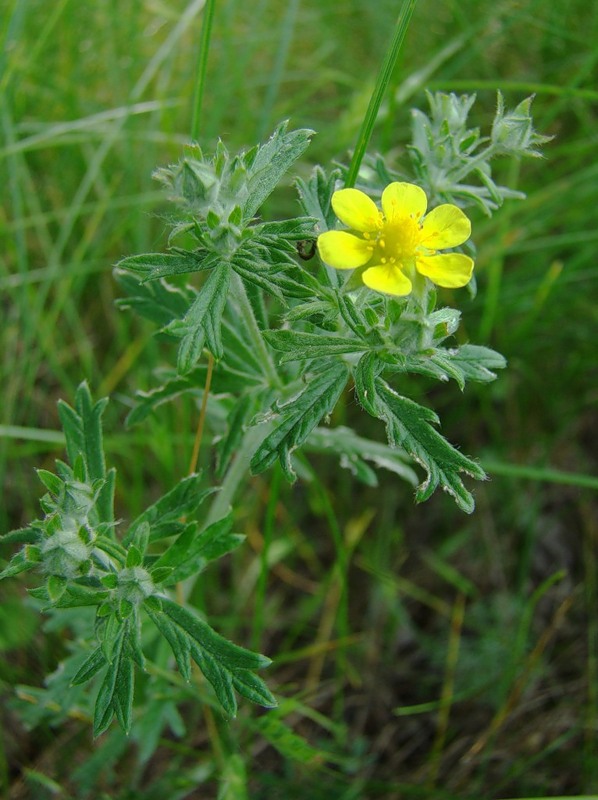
(126, 580)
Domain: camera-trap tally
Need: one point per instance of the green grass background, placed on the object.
(93, 97)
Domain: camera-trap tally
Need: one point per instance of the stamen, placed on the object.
(382, 243)
(383, 260)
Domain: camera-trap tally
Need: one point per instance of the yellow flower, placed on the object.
(395, 243)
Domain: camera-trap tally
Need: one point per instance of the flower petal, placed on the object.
(445, 226)
(342, 250)
(356, 210)
(387, 279)
(403, 200)
(451, 270)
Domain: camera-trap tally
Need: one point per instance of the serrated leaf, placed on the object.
(115, 696)
(298, 346)
(477, 363)
(192, 551)
(410, 426)
(177, 639)
(365, 374)
(91, 666)
(163, 516)
(159, 301)
(236, 420)
(202, 321)
(299, 416)
(288, 743)
(83, 431)
(226, 379)
(270, 163)
(220, 661)
(353, 451)
(151, 266)
(227, 653)
(252, 687)
(292, 230)
(219, 678)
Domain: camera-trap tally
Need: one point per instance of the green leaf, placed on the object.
(163, 516)
(287, 742)
(26, 535)
(115, 696)
(298, 346)
(477, 363)
(364, 375)
(201, 324)
(410, 426)
(287, 230)
(226, 379)
(270, 163)
(299, 416)
(191, 552)
(151, 266)
(315, 195)
(77, 595)
(225, 665)
(91, 666)
(239, 416)
(159, 301)
(83, 431)
(353, 451)
(468, 362)
(134, 555)
(18, 563)
(53, 483)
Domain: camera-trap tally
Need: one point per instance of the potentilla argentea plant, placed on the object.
(355, 318)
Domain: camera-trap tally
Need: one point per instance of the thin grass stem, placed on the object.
(382, 82)
(202, 67)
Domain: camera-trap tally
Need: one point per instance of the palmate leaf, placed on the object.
(299, 416)
(225, 665)
(410, 426)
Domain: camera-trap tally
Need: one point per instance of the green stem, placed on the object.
(252, 328)
(382, 82)
(202, 66)
(238, 470)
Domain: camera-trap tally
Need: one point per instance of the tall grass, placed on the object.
(423, 654)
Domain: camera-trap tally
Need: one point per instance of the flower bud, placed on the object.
(64, 553)
(134, 585)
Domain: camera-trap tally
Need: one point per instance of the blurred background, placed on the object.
(93, 97)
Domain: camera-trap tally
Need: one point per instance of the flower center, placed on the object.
(396, 242)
